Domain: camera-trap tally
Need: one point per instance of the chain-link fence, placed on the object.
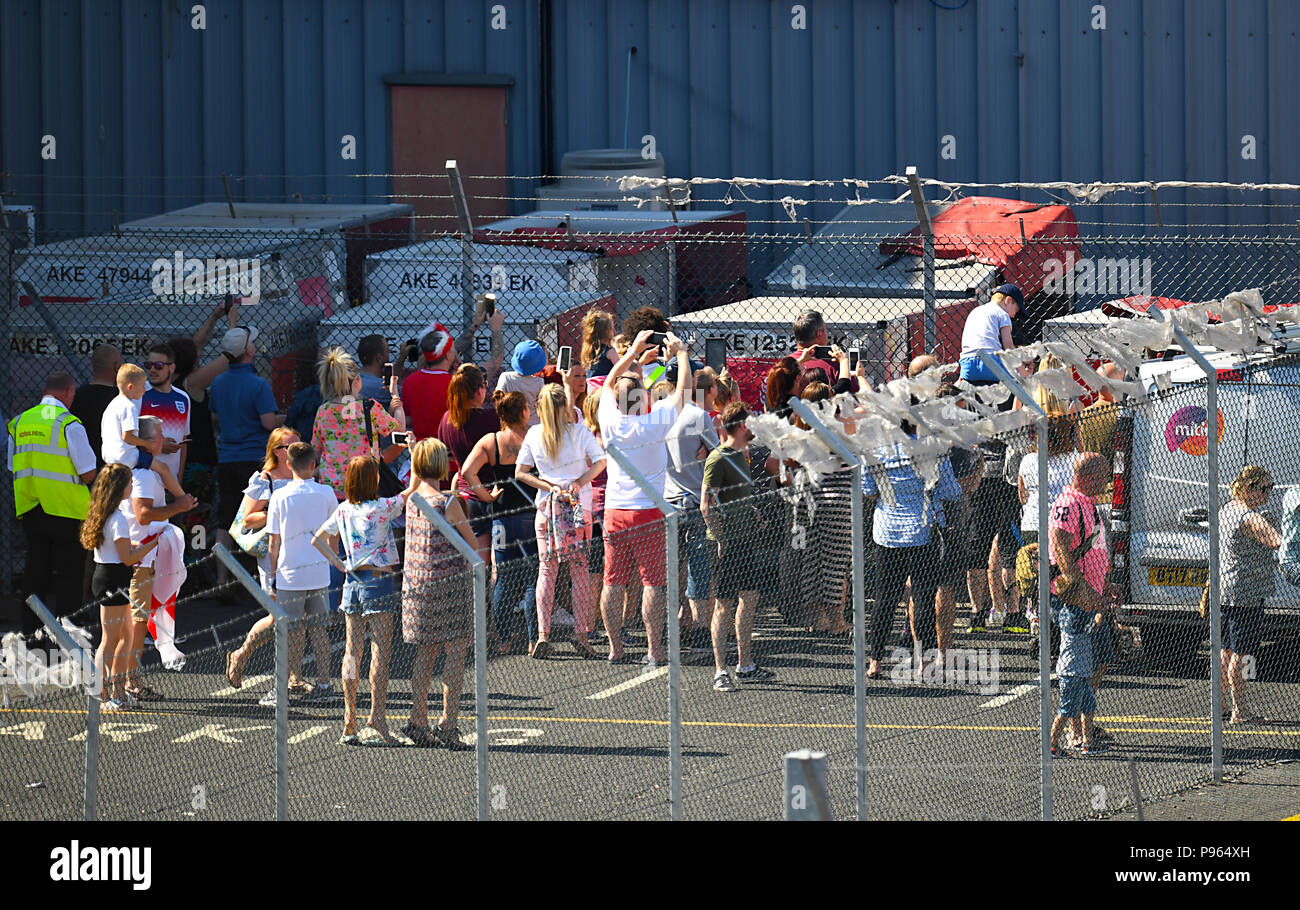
(951, 709)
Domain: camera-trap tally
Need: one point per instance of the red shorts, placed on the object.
(634, 537)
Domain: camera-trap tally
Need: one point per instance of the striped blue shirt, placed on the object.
(907, 522)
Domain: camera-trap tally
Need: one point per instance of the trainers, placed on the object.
(268, 699)
(978, 624)
(319, 694)
(112, 705)
(1095, 748)
(722, 683)
(129, 701)
(1016, 624)
(755, 674)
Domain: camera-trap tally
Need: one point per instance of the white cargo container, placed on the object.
(640, 259)
(352, 232)
(759, 332)
(553, 319)
(435, 269)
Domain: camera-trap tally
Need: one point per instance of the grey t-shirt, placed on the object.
(531, 386)
(685, 474)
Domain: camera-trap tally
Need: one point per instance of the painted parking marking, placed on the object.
(1011, 696)
(628, 684)
(219, 732)
(307, 734)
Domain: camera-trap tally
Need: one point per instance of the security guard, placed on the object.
(52, 465)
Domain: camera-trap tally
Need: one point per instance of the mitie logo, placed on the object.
(76, 863)
(1186, 431)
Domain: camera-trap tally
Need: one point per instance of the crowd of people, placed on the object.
(548, 473)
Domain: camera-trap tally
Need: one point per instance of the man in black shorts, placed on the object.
(732, 523)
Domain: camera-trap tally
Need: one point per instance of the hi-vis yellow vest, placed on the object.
(43, 471)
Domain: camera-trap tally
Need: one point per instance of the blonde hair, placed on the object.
(596, 328)
(590, 412)
(1047, 400)
(429, 460)
(336, 371)
(1252, 475)
(279, 436)
(129, 374)
(728, 390)
(553, 411)
(621, 344)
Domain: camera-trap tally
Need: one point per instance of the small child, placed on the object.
(1289, 555)
(1075, 668)
(106, 531)
(120, 426)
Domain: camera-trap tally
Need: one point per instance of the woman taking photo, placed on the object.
(437, 606)
(1247, 546)
(105, 531)
(364, 521)
(514, 544)
(340, 433)
(565, 458)
(469, 419)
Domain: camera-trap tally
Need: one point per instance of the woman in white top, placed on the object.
(106, 531)
(560, 458)
(271, 476)
(1061, 456)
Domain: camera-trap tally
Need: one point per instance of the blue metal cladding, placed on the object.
(148, 112)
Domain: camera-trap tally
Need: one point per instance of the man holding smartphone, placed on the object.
(810, 335)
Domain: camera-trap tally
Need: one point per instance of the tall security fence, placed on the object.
(877, 585)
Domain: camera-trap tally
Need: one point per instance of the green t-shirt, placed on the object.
(726, 473)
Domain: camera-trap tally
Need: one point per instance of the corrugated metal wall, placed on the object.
(1026, 90)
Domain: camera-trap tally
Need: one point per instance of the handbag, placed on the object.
(389, 483)
(254, 543)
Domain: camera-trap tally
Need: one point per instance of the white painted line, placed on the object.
(307, 734)
(246, 682)
(628, 684)
(1010, 696)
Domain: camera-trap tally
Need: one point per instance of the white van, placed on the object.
(1159, 509)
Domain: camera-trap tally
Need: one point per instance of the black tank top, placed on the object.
(513, 500)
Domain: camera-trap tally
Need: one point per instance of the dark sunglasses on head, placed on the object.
(157, 364)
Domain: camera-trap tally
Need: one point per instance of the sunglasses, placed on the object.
(157, 364)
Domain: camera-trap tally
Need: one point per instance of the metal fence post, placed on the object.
(927, 259)
(281, 676)
(466, 244)
(857, 526)
(1044, 569)
(805, 771)
(1212, 504)
(7, 516)
(87, 661)
(479, 567)
(671, 597)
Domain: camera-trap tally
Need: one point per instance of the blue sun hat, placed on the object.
(529, 358)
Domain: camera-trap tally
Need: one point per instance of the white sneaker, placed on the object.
(111, 705)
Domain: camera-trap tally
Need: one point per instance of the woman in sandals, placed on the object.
(437, 603)
(364, 521)
(559, 458)
(1247, 546)
(105, 531)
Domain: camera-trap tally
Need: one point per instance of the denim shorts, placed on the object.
(1076, 696)
(365, 593)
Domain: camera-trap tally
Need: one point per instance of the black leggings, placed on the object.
(894, 566)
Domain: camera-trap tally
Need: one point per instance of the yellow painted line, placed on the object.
(627, 721)
(1294, 818)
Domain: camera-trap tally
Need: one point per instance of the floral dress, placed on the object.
(437, 600)
(339, 435)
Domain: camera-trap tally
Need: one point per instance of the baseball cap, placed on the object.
(1014, 293)
(528, 358)
(236, 341)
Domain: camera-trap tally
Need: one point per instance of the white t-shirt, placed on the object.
(122, 414)
(1060, 471)
(145, 484)
(576, 447)
(295, 511)
(115, 529)
(641, 437)
(983, 329)
(686, 472)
